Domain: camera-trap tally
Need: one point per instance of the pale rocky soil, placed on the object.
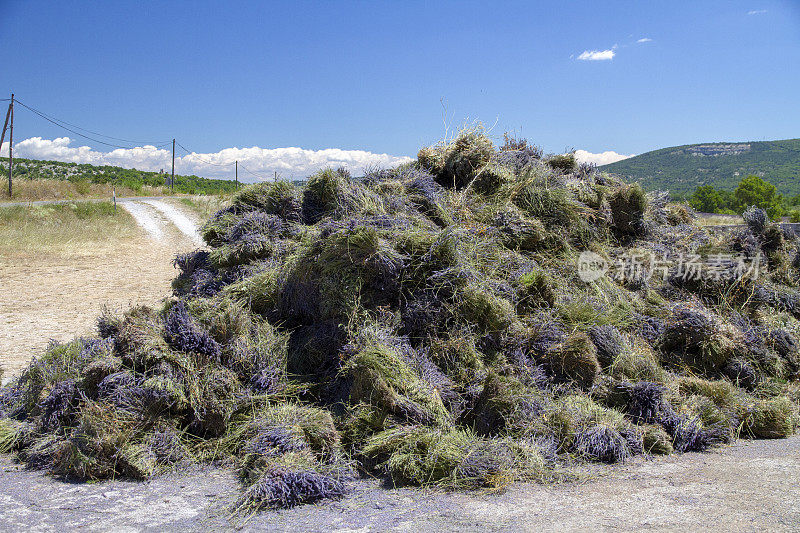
(751, 486)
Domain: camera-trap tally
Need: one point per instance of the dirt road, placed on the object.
(154, 214)
(59, 296)
(751, 486)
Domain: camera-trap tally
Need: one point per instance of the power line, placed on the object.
(73, 131)
(160, 145)
(224, 165)
(248, 171)
(61, 121)
(69, 127)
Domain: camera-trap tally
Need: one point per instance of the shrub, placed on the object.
(574, 360)
(504, 404)
(452, 458)
(756, 219)
(642, 402)
(332, 193)
(285, 487)
(536, 290)
(487, 311)
(428, 196)
(491, 178)
(564, 162)
(703, 341)
(686, 433)
(678, 214)
(278, 198)
(518, 158)
(182, 334)
(107, 324)
(609, 343)
(638, 363)
(602, 443)
(380, 376)
(518, 233)
(456, 163)
(656, 441)
(769, 419)
(742, 373)
(628, 206)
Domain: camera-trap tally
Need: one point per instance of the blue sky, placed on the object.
(372, 76)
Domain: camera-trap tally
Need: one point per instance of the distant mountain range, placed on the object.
(681, 169)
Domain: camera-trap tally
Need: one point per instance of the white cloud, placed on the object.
(757, 12)
(645, 40)
(287, 162)
(597, 55)
(602, 158)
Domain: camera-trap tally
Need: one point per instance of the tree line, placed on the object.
(751, 190)
(133, 179)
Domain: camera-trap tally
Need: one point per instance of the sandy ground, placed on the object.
(751, 486)
(59, 295)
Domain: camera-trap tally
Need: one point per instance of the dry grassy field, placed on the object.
(26, 190)
(59, 265)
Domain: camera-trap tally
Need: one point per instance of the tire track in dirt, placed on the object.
(154, 216)
(145, 218)
(186, 225)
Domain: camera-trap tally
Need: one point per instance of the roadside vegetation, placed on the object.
(426, 324)
(205, 206)
(51, 189)
(45, 180)
(36, 229)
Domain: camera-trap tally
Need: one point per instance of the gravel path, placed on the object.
(186, 225)
(146, 218)
(154, 215)
(751, 486)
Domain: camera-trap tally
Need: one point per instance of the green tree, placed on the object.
(706, 199)
(728, 201)
(753, 190)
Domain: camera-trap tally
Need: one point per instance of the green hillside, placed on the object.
(32, 169)
(681, 169)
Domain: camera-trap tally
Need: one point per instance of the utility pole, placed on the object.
(5, 126)
(237, 175)
(11, 148)
(172, 179)
(275, 177)
(3, 138)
